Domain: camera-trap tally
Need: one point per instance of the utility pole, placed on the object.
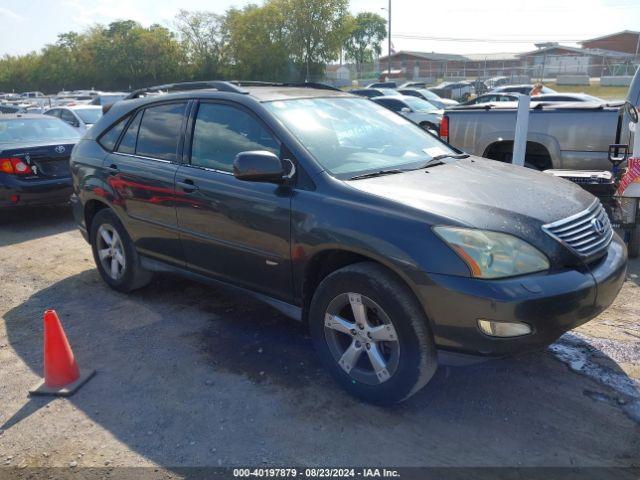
(389, 55)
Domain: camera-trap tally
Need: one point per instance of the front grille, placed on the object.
(587, 233)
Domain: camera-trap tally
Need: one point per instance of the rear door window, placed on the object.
(160, 131)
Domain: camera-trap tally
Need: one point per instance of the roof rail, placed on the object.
(181, 86)
(257, 83)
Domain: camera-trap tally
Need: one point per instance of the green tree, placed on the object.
(315, 32)
(256, 43)
(200, 34)
(367, 30)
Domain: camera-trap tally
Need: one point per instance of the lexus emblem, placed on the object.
(598, 226)
(60, 149)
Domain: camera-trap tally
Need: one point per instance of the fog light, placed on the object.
(503, 329)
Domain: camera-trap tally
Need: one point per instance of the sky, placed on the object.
(451, 26)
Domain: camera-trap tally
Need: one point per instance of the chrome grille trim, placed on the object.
(578, 233)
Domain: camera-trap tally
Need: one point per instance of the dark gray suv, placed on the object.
(390, 243)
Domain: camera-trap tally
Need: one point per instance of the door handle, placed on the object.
(113, 168)
(187, 185)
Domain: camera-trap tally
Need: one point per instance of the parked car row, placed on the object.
(37, 102)
(498, 96)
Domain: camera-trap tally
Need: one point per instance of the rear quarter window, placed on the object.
(109, 139)
(128, 142)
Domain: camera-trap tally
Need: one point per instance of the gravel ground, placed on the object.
(193, 376)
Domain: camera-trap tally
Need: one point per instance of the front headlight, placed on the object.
(493, 254)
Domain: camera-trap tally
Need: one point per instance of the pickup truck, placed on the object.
(572, 136)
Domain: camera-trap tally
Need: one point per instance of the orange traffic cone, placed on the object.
(61, 373)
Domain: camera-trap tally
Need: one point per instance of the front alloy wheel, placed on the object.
(372, 334)
(355, 325)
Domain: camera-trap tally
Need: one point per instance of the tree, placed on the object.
(281, 40)
(367, 30)
(315, 31)
(201, 36)
(256, 43)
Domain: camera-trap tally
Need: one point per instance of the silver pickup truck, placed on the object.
(569, 135)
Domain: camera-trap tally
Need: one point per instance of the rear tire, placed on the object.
(371, 334)
(115, 255)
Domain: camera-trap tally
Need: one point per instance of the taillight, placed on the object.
(444, 128)
(14, 166)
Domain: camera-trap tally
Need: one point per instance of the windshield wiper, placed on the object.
(437, 160)
(434, 161)
(377, 173)
(449, 155)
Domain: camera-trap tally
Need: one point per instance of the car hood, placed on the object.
(483, 194)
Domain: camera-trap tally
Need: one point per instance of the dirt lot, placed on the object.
(191, 376)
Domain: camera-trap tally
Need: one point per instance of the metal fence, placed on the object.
(349, 74)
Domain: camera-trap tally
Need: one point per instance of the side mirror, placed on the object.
(259, 166)
(405, 110)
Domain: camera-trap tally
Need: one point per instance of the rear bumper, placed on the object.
(15, 192)
(550, 304)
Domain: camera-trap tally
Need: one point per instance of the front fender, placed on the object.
(399, 239)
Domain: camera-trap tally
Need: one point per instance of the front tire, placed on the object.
(115, 255)
(371, 334)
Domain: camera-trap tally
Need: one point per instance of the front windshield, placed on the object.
(353, 136)
(35, 129)
(419, 105)
(89, 115)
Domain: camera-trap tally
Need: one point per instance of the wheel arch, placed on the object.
(326, 261)
(91, 207)
(536, 153)
(545, 143)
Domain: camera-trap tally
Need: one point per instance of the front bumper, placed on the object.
(15, 192)
(550, 304)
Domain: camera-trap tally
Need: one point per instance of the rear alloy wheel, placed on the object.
(372, 334)
(111, 251)
(115, 255)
